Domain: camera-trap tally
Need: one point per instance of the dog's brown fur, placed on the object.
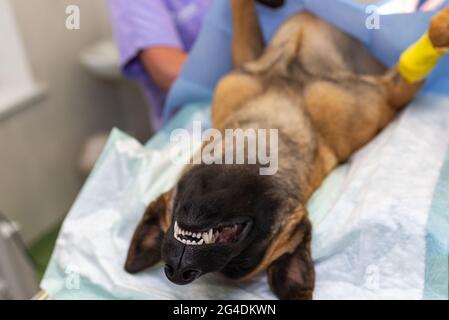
(327, 96)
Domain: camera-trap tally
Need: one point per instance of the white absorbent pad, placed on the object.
(380, 221)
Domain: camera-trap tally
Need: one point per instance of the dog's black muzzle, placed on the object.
(186, 262)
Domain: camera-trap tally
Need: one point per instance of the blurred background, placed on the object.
(61, 93)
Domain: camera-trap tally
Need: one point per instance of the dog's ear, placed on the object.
(272, 3)
(292, 275)
(145, 248)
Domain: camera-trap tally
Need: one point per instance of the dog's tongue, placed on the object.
(229, 234)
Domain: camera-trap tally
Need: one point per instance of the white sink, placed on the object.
(102, 60)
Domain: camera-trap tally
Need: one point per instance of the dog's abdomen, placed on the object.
(330, 80)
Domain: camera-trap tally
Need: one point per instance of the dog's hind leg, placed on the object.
(247, 41)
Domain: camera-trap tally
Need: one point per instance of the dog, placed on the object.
(327, 96)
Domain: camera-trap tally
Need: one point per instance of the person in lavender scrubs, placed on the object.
(154, 38)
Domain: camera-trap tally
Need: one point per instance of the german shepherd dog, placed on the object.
(327, 96)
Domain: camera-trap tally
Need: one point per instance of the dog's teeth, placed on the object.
(206, 237)
(210, 235)
(201, 242)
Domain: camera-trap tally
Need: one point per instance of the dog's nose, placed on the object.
(181, 275)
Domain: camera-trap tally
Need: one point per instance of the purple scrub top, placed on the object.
(140, 24)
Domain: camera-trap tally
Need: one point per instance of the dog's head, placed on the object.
(222, 218)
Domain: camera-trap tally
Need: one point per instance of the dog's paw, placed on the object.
(439, 29)
(272, 3)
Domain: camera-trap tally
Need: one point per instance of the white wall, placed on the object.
(39, 144)
(14, 67)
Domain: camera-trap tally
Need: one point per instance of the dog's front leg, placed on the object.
(405, 79)
(247, 39)
(292, 276)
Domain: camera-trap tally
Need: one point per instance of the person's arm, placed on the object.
(148, 40)
(164, 64)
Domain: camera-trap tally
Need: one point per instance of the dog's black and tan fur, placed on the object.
(328, 96)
